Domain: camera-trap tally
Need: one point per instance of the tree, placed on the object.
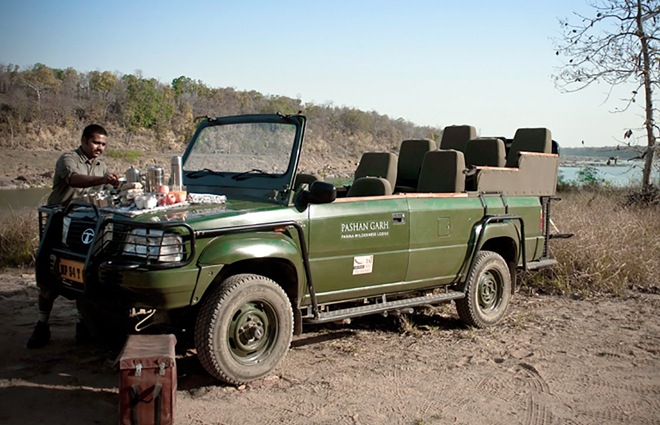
(147, 102)
(618, 46)
(102, 84)
(40, 79)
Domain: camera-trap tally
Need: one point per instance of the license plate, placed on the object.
(71, 270)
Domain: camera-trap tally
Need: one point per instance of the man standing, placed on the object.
(81, 169)
(75, 173)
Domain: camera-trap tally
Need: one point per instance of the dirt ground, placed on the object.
(553, 361)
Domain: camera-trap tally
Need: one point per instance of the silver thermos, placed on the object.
(155, 177)
(176, 180)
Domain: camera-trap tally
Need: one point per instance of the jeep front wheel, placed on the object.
(487, 291)
(244, 328)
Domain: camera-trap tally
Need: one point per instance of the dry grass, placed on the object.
(19, 238)
(615, 246)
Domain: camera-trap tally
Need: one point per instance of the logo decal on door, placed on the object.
(363, 264)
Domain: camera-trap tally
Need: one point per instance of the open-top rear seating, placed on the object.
(442, 172)
(411, 156)
(375, 175)
(377, 164)
(370, 186)
(529, 140)
(530, 168)
(457, 136)
(489, 152)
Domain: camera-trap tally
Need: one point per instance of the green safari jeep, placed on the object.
(259, 250)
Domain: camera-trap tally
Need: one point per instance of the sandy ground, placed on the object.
(553, 361)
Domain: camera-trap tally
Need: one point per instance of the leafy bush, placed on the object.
(589, 177)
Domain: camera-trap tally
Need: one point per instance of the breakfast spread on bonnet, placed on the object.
(148, 191)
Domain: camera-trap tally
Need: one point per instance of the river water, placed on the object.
(19, 199)
(614, 175)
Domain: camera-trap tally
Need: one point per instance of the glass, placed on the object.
(243, 148)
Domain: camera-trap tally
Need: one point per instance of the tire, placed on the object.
(244, 328)
(487, 291)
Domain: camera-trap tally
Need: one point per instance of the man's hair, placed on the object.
(93, 129)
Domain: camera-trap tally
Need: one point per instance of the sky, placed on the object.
(444, 62)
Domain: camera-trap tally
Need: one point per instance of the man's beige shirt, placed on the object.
(74, 162)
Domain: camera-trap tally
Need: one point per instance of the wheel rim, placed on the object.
(489, 292)
(252, 332)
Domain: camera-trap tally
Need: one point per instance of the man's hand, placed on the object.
(111, 179)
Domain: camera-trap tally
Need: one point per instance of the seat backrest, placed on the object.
(489, 152)
(411, 155)
(370, 186)
(442, 172)
(529, 140)
(456, 137)
(377, 164)
(302, 178)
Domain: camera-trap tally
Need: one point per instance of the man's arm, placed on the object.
(82, 181)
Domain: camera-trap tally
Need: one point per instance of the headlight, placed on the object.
(154, 245)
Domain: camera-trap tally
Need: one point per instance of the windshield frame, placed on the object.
(270, 186)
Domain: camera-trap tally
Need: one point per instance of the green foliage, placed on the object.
(187, 86)
(589, 176)
(165, 113)
(147, 102)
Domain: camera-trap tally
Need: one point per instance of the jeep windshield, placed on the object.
(242, 151)
(244, 156)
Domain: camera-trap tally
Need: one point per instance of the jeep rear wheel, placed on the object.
(487, 291)
(244, 328)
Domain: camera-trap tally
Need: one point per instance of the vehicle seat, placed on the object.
(411, 155)
(529, 140)
(370, 186)
(303, 178)
(442, 172)
(377, 164)
(485, 152)
(457, 136)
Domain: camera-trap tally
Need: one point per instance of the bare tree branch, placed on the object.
(620, 45)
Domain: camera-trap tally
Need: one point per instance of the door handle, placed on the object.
(399, 218)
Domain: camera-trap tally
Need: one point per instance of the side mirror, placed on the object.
(321, 193)
(318, 193)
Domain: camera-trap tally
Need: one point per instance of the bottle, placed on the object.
(175, 176)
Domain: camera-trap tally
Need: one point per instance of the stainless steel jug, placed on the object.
(155, 178)
(133, 175)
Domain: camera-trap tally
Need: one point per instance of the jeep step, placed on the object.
(385, 306)
(540, 264)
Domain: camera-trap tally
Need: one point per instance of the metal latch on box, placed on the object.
(161, 369)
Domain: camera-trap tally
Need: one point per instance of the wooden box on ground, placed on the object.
(147, 380)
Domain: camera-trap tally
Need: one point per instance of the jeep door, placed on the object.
(358, 247)
(440, 226)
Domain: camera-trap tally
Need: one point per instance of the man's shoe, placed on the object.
(40, 335)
